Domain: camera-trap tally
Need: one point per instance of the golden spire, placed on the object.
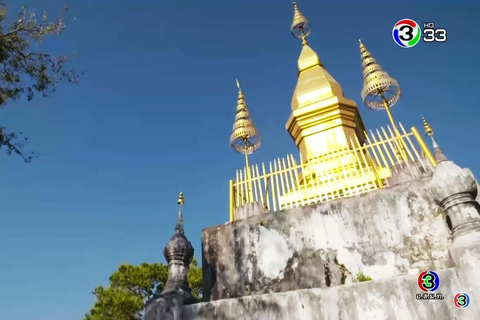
(245, 137)
(378, 86)
(322, 119)
(300, 27)
(428, 130)
(318, 84)
(380, 91)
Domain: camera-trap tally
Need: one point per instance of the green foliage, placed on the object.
(361, 277)
(195, 278)
(24, 70)
(131, 286)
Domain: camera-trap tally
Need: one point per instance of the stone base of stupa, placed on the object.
(392, 298)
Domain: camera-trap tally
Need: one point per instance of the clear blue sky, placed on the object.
(153, 114)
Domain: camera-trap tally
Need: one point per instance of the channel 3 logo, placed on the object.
(428, 281)
(461, 300)
(407, 33)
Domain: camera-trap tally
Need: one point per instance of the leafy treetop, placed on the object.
(131, 286)
(25, 70)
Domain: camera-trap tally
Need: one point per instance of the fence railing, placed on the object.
(358, 168)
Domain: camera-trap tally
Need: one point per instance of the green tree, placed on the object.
(131, 286)
(24, 70)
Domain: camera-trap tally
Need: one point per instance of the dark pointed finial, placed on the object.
(178, 252)
(179, 226)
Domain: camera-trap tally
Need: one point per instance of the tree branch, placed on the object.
(11, 33)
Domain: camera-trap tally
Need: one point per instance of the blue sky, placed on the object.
(153, 114)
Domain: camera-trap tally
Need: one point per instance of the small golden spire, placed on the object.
(437, 151)
(300, 27)
(428, 130)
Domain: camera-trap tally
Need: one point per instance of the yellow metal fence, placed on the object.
(285, 183)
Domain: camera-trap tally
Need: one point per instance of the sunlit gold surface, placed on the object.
(232, 199)
(284, 183)
(426, 151)
(337, 157)
(322, 119)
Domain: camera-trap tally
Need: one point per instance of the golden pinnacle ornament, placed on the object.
(245, 137)
(380, 91)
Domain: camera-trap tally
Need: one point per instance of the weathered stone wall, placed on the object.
(476, 182)
(403, 172)
(390, 298)
(392, 231)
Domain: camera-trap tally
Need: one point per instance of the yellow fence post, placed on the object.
(232, 200)
(424, 147)
(284, 188)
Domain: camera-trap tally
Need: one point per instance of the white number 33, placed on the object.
(431, 35)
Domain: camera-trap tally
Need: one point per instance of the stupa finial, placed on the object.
(180, 200)
(179, 226)
(179, 248)
(245, 137)
(179, 254)
(380, 91)
(428, 130)
(437, 152)
(378, 86)
(300, 27)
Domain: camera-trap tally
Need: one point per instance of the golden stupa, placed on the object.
(325, 126)
(337, 157)
(322, 119)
